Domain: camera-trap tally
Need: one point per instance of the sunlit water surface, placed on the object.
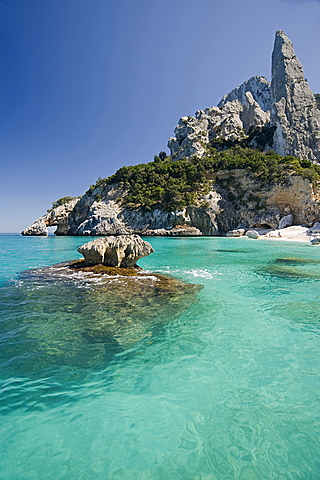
(223, 386)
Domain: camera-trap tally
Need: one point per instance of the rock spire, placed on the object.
(294, 110)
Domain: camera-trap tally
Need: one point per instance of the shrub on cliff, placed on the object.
(61, 201)
(172, 185)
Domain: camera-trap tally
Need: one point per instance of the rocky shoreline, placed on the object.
(296, 233)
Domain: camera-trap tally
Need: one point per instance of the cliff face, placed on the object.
(281, 115)
(58, 217)
(237, 198)
(233, 122)
(294, 110)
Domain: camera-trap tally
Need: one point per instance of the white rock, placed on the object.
(253, 115)
(258, 86)
(252, 234)
(294, 110)
(238, 232)
(39, 227)
(120, 251)
(286, 221)
(292, 127)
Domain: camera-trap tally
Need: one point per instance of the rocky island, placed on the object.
(252, 161)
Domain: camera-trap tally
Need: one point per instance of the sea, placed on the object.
(215, 381)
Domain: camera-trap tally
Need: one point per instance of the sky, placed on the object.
(88, 86)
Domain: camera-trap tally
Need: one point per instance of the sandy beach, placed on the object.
(297, 233)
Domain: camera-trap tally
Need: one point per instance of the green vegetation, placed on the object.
(166, 184)
(61, 201)
(267, 166)
(160, 157)
(172, 185)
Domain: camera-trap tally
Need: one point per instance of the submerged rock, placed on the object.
(120, 251)
(288, 271)
(294, 268)
(83, 318)
(296, 261)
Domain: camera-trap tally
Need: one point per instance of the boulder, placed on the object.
(286, 221)
(315, 240)
(252, 234)
(112, 251)
(237, 232)
(266, 219)
(184, 231)
(315, 229)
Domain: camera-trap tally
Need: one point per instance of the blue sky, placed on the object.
(89, 86)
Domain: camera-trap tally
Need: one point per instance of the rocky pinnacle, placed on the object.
(294, 110)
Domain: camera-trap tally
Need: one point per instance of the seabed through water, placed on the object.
(216, 380)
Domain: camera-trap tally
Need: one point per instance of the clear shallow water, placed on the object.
(226, 389)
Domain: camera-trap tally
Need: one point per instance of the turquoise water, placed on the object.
(228, 388)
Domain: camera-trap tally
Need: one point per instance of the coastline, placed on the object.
(296, 233)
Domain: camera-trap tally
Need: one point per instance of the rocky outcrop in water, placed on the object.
(121, 251)
(39, 227)
(58, 217)
(281, 115)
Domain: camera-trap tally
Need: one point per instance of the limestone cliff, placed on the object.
(234, 122)
(58, 217)
(260, 89)
(236, 198)
(281, 115)
(294, 110)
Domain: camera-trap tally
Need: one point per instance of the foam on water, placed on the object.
(226, 389)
